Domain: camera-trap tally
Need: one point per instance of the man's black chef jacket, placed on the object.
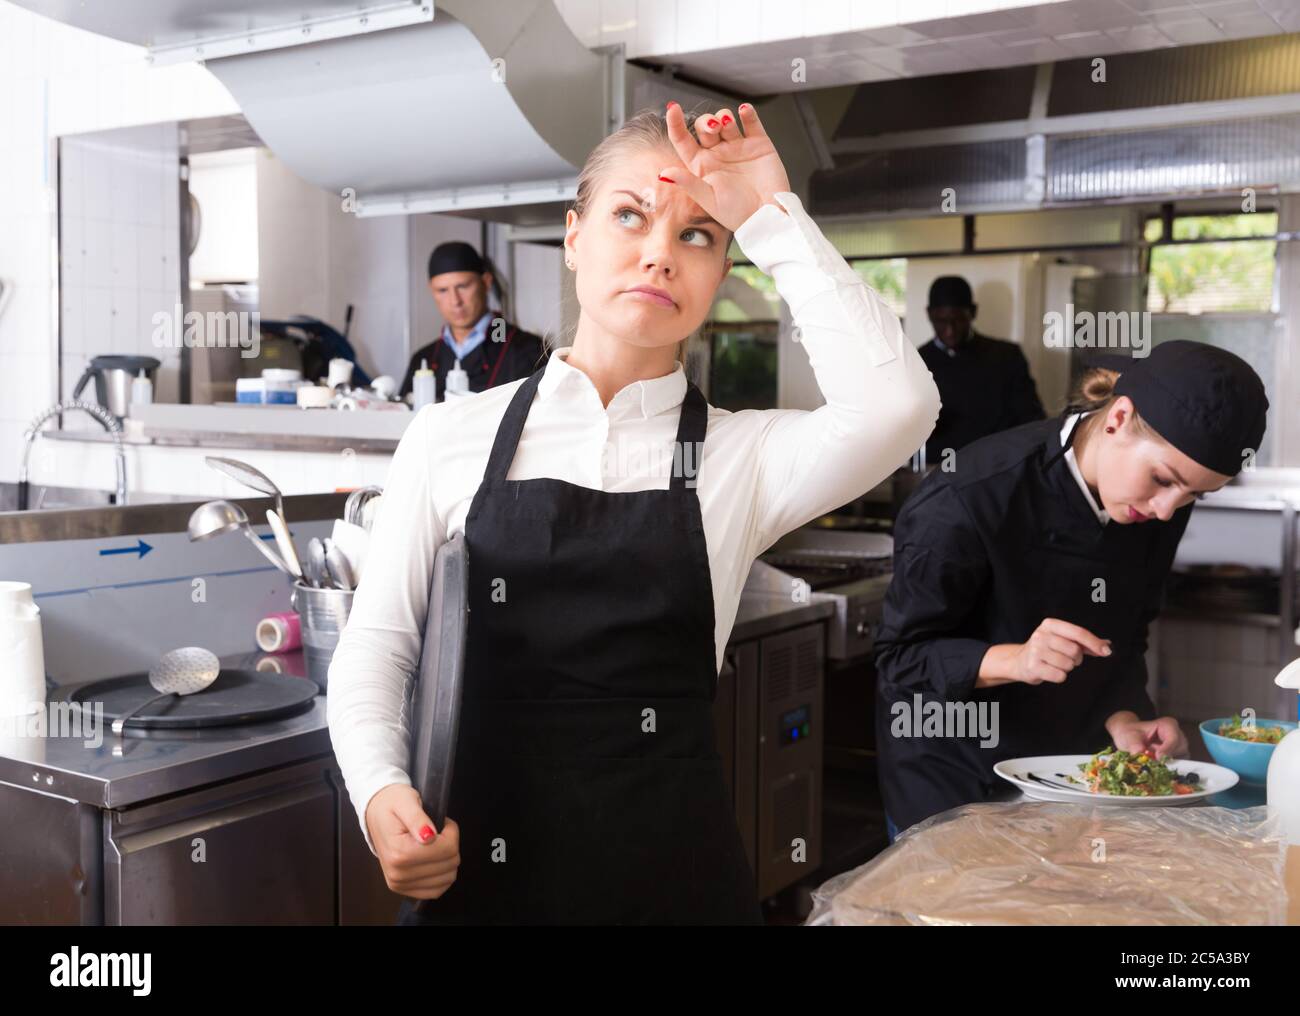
(985, 388)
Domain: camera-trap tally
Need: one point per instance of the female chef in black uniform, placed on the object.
(1025, 578)
(587, 788)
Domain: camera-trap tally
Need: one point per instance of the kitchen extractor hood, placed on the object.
(446, 107)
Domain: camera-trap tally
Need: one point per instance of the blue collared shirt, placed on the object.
(471, 341)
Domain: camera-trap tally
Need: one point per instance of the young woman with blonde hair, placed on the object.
(610, 517)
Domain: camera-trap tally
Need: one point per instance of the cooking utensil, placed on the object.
(356, 501)
(113, 375)
(1050, 783)
(370, 511)
(340, 569)
(285, 542)
(182, 671)
(316, 569)
(250, 477)
(439, 682)
(214, 517)
(354, 542)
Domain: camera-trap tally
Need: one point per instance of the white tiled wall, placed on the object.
(54, 81)
(120, 251)
(1211, 669)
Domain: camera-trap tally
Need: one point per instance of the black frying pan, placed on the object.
(439, 682)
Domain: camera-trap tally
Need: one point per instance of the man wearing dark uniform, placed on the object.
(491, 350)
(984, 383)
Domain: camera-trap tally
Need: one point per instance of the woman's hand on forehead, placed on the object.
(732, 171)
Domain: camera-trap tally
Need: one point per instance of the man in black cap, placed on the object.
(491, 350)
(984, 383)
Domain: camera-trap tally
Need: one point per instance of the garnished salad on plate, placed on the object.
(1238, 731)
(1125, 774)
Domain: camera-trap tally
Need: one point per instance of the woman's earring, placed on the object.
(1110, 430)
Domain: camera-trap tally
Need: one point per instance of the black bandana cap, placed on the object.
(455, 256)
(1205, 401)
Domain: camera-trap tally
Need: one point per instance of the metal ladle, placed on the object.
(182, 671)
(250, 477)
(216, 517)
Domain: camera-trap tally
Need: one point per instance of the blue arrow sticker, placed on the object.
(140, 548)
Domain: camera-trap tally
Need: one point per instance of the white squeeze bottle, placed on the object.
(141, 389)
(1284, 768)
(457, 382)
(423, 386)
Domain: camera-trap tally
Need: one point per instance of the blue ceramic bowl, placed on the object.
(1247, 759)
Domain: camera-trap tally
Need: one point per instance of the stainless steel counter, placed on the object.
(144, 765)
(761, 614)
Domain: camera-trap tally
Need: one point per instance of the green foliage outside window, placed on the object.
(1236, 275)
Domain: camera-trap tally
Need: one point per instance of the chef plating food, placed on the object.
(1025, 577)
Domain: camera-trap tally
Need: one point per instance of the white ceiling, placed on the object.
(749, 47)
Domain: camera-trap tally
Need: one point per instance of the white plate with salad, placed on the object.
(1118, 777)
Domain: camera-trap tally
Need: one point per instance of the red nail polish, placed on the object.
(726, 119)
(712, 122)
(666, 180)
(426, 834)
(671, 104)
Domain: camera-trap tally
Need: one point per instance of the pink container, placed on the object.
(279, 633)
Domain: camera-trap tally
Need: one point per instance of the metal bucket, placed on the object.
(323, 613)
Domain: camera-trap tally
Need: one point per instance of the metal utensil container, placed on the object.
(323, 613)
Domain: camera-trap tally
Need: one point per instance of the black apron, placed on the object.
(587, 786)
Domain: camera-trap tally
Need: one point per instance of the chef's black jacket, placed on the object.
(985, 388)
(982, 555)
(488, 364)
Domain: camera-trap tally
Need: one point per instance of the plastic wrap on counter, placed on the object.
(1031, 863)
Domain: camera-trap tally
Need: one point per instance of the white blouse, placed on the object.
(763, 472)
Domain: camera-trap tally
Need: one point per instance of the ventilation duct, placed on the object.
(395, 107)
(1209, 119)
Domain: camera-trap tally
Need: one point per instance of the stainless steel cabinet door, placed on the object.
(260, 850)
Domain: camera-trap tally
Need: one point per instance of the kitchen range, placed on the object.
(865, 495)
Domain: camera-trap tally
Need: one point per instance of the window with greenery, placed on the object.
(1233, 275)
(888, 277)
(727, 309)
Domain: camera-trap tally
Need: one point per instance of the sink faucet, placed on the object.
(110, 424)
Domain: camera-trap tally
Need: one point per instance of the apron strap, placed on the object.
(512, 425)
(688, 449)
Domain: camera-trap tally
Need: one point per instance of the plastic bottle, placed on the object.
(457, 382)
(1284, 768)
(423, 386)
(22, 651)
(141, 389)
